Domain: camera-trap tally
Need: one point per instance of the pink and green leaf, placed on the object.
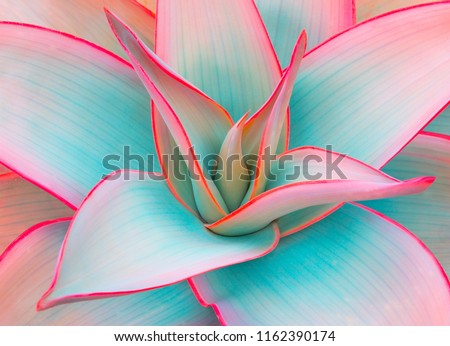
(353, 268)
(427, 215)
(197, 124)
(155, 241)
(70, 111)
(232, 168)
(263, 132)
(27, 269)
(296, 183)
(356, 92)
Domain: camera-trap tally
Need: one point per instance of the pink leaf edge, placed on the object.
(402, 228)
(44, 304)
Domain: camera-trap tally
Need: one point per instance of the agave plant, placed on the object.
(295, 81)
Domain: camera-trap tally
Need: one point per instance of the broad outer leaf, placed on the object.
(134, 236)
(368, 91)
(427, 215)
(352, 268)
(27, 268)
(71, 112)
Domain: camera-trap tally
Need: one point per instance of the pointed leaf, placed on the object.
(22, 205)
(81, 18)
(427, 215)
(70, 113)
(205, 122)
(27, 270)
(232, 177)
(222, 48)
(197, 124)
(301, 178)
(369, 90)
(321, 19)
(352, 268)
(273, 114)
(134, 236)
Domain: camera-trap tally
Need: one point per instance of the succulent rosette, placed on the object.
(110, 212)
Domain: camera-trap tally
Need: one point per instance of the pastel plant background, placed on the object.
(82, 79)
